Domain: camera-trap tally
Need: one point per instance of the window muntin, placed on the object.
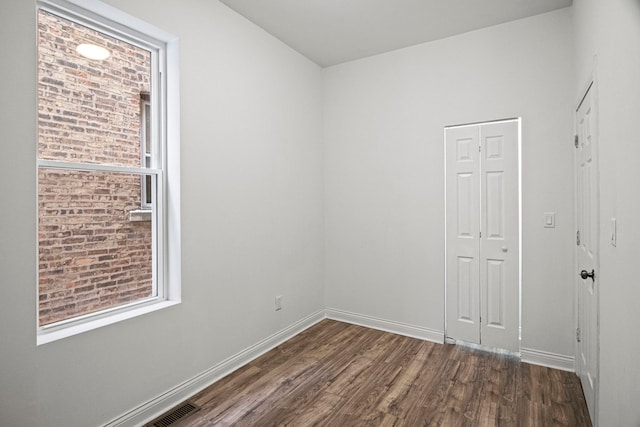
(92, 257)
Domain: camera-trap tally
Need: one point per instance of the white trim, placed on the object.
(171, 159)
(444, 201)
(146, 154)
(95, 167)
(97, 320)
(157, 406)
(399, 328)
(520, 238)
(550, 360)
(104, 17)
(513, 119)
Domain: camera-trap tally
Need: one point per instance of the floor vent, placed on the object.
(175, 415)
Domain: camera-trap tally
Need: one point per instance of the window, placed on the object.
(108, 168)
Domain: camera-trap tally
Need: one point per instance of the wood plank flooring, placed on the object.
(337, 374)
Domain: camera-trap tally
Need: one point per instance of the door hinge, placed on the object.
(575, 140)
(578, 238)
(481, 234)
(578, 334)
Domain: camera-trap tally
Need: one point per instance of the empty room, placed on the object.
(313, 212)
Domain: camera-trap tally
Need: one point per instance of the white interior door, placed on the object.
(499, 245)
(463, 233)
(482, 232)
(587, 248)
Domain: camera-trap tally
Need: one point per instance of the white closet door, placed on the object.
(483, 283)
(462, 231)
(499, 244)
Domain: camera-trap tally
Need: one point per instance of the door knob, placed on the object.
(504, 249)
(584, 274)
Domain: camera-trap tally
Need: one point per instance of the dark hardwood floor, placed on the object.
(337, 374)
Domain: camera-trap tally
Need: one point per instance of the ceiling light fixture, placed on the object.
(92, 51)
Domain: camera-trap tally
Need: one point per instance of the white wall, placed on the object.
(611, 30)
(252, 197)
(251, 210)
(384, 170)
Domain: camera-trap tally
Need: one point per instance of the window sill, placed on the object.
(58, 332)
(140, 215)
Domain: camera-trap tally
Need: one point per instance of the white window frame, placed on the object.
(144, 155)
(165, 163)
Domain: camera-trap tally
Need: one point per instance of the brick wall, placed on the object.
(91, 257)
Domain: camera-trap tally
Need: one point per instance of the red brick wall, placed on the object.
(91, 257)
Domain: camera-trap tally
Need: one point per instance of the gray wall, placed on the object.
(253, 197)
(610, 33)
(384, 170)
(251, 219)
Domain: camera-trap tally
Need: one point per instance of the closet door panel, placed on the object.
(499, 245)
(462, 230)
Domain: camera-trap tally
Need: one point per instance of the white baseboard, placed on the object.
(184, 391)
(550, 360)
(386, 325)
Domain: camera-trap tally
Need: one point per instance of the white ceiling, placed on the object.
(333, 31)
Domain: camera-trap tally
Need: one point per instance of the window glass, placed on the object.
(89, 110)
(91, 255)
(94, 94)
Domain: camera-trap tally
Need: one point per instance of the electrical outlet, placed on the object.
(278, 302)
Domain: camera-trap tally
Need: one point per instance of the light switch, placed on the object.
(550, 220)
(614, 232)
